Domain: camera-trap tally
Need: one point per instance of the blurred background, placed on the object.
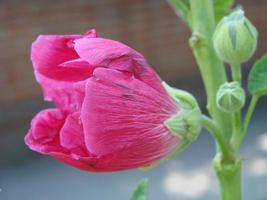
(151, 27)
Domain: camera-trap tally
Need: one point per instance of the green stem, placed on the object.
(237, 122)
(250, 111)
(238, 138)
(213, 74)
(211, 68)
(237, 76)
(210, 125)
(229, 175)
(236, 73)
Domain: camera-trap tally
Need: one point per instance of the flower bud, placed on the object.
(186, 124)
(230, 97)
(235, 38)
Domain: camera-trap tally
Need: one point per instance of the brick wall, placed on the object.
(149, 26)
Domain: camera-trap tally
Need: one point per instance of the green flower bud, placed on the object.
(235, 38)
(230, 97)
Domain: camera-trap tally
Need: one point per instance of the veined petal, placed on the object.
(103, 52)
(50, 51)
(67, 96)
(52, 131)
(71, 135)
(100, 52)
(124, 116)
(61, 136)
(43, 135)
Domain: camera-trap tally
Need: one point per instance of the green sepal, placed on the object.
(185, 124)
(140, 192)
(183, 98)
(257, 79)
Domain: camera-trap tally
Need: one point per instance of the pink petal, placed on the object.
(78, 63)
(50, 51)
(71, 135)
(100, 52)
(124, 117)
(52, 132)
(44, 132)
(66, 95)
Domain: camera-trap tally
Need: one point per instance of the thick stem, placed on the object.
(229, 176)
(211, 68)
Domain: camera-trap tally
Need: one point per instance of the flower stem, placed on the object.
(238, 137)
(210, 125)
(211, 68)
(236, 73)
(237, 122)
(229, 175)
(250, 111)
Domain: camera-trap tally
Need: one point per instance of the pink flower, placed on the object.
(110, 104)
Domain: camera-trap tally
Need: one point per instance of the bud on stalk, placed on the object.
(230, 97)
(235, 38)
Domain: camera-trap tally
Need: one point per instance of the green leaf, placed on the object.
(222, 8)
(140, 192)
(182, 9)
(257, 80)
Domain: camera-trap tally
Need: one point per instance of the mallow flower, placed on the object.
(111, 112)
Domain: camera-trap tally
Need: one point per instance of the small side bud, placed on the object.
(230, 97)
(186, 124)
(235, 38)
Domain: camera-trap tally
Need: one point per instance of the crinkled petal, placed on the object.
(71, 135)
(43, 135)
(67, 96)
(124, 116)
(52, 131)
(104, 52)
(61, 136)
(100, 52)
(50, 51)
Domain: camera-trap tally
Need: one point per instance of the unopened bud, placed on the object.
(235, 38)
(230, 97)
